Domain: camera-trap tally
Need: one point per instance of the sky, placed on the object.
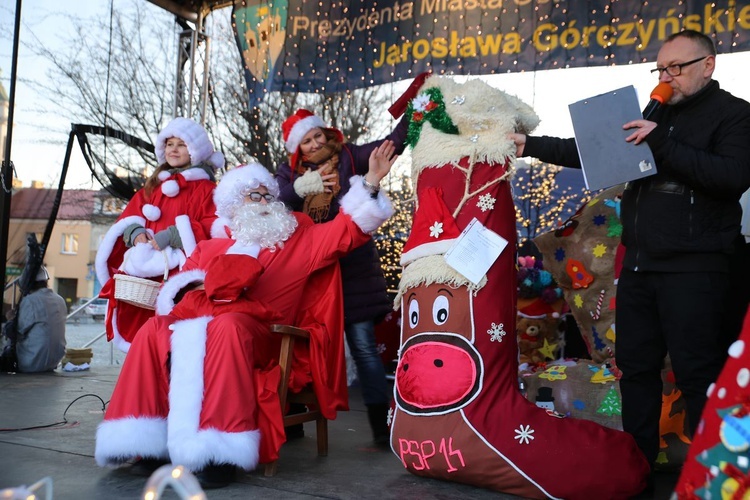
(39, 155)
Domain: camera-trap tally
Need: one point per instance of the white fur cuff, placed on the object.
(309, 183)
(367, 212)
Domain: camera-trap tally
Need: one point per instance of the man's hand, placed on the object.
(382, 159)
(644, 127)
(520, 141)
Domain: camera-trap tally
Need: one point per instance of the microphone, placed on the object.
(661, 94)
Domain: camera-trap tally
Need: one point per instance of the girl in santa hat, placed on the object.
(162, 223)
(313, 180)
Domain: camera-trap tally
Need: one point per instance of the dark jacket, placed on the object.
(686, 217)
(364, 285)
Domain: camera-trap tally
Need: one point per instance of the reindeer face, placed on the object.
(439, 369)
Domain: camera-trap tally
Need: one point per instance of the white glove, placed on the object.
(309, 183)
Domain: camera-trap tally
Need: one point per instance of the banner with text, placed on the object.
(331, 46)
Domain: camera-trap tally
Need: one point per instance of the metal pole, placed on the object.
(7, 167)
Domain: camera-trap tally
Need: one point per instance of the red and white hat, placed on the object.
(538, 309)
(433, 229)
(195, 136)
(296, 126)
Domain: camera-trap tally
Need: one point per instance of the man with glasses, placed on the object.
(198, 385)
(679, 227)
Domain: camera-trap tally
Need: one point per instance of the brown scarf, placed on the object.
(326, 158)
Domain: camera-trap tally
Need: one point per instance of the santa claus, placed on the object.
(161, 224)
(198, 386)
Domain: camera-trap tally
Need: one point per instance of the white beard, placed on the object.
(268, 225)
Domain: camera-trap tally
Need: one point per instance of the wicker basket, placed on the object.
(136, 291)
(139, 292)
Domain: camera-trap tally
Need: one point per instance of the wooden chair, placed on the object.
(290, 335)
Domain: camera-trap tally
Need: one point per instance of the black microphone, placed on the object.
(661, 94)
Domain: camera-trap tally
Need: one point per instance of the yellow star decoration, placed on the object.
(578, 301)
(548, 349)
(599, 250)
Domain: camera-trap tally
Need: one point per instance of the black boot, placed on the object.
(213, 476)
(296, 431)
(378, 416)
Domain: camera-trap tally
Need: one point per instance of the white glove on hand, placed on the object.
(309, 183)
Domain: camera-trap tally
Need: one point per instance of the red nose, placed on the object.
(435, 374)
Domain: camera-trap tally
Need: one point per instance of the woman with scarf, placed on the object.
(313, 180)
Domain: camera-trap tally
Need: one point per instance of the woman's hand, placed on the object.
(382, 159)
(145, 238)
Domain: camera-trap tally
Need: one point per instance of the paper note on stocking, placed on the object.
(475, 251)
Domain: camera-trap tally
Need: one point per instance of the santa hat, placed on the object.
(195, 136)
(433, 229)
(229, 193)
(538, 309)
(296, 126)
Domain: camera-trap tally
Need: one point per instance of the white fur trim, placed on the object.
(185, 230)
(217, 160)
(171, 287)
(486, 112)
(144, 261)
(164, 175)
(299, 130)
(108, 244)
(170, 188)
(309, 183)
(429, 270)
(366, 212)
(117, 338)
(188, 444)
(195, 174)
(193, 134)
(426, 249)
(151, 212)
(237, 249)
(120, 440)
(219, 228)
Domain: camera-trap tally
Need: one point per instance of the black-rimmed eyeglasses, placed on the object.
(676, 69)
(256, 196)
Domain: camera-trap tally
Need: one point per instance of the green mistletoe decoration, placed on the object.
(428, 106)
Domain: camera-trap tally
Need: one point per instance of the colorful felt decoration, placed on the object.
(718, 461)
(459, 415)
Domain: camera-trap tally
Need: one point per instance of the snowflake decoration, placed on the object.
(381, 348)
(459, 99)
(524, 434)
(496, 332)
(486, 202)
(389, 418)
(436, 230)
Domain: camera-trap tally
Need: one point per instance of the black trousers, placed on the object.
(660, 313)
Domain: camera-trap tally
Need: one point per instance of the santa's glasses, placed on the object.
(256, 196)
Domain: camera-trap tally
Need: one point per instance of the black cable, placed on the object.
(56, 424)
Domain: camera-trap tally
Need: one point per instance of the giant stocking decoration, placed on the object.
(459, 415)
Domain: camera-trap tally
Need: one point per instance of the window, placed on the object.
(69, 243)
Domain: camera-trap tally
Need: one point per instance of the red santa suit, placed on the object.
(183, 199)
(197, 385)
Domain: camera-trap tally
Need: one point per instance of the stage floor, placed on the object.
(352, 470)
